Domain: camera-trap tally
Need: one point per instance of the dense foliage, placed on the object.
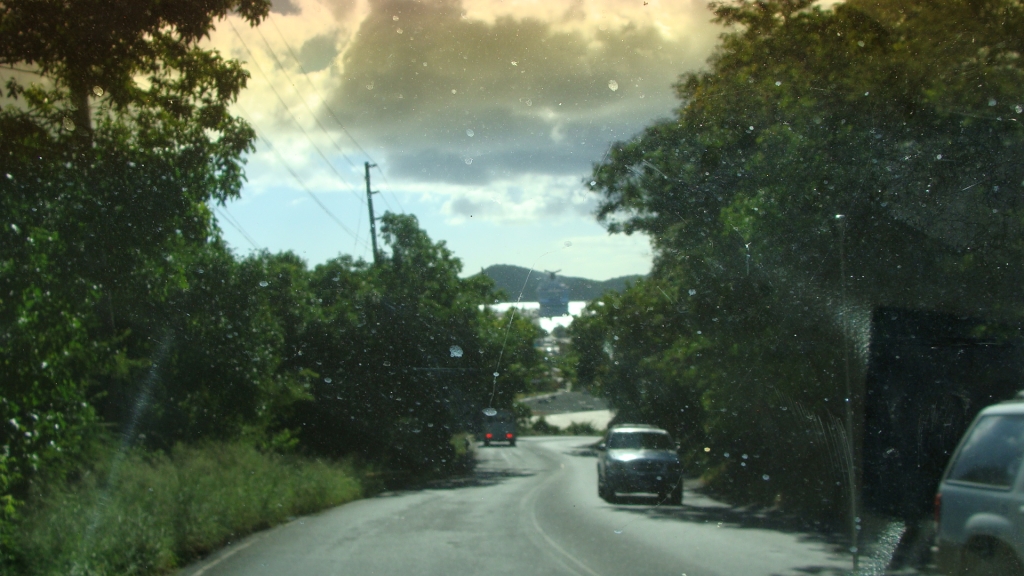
(123, 316)
(828, 162)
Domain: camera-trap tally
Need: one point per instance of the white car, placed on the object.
(980, 503)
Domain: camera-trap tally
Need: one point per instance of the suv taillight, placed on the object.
(509, 435)
(938, 506)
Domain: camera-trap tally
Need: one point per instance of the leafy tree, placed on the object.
(222, 370)
(805, 114)
(404, 355)
(107, 162)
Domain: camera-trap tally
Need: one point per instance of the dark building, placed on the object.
(928, 375)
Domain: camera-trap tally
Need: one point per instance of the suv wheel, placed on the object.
(605, 492)
(990, 558)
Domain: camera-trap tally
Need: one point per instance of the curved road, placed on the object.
(532, 509)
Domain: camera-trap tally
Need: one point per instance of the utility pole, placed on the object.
(369, 204)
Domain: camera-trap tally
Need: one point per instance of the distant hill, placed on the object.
(511, 279)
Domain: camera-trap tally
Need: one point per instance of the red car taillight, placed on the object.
(488, 435)
(938, 506)
(509, 435)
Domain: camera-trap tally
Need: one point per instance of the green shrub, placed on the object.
(148, 513)
(581, 429)
(542, 428)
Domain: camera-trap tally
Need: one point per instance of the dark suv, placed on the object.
(639, 458)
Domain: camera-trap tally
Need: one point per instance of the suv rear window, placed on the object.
(993, 452)
(639, 441)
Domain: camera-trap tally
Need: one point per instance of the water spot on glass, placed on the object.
(490, 412)
(719, 525)
(744, 456)
(613, 85)
(514, 63)
(784, 408)
(726, 454)
(455, 351)
(495, 374)
(328, 380)
(568, 243)
(399, 30)
(424, 64)
(778, 82)
(68, 124)
(529, 102)
(430, 425)
(618, 531)
(387, 363)
(369, 86)
(938, 156)
(691, 292)
(991, 101)
(860, 43)
(866, 93)
(1018, 109)
(764, 477)
(469, 132)
(98, 91)
(468, 161)
(706, 449)
(264, 283)
(395, 18)
(593, 183)
(454, 91)
(641, 95)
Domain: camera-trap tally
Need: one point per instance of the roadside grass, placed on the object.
(148, 513)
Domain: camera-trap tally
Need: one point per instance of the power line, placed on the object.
(330, 111)
(301, 99)
(389, 189)
(291, 115)
(234, 224)
(299, 180)
(322, 100)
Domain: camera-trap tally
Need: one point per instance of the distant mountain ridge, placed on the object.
(512, 278)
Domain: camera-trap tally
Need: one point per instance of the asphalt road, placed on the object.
(532, 509)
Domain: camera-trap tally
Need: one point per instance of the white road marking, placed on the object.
(227, 555)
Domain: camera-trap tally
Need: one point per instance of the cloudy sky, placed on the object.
(484, 118)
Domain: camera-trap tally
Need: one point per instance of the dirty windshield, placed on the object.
(268, 269)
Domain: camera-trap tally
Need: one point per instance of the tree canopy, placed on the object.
(124, 317)
(828, 162)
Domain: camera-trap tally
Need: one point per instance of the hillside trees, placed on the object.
(897, 116)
